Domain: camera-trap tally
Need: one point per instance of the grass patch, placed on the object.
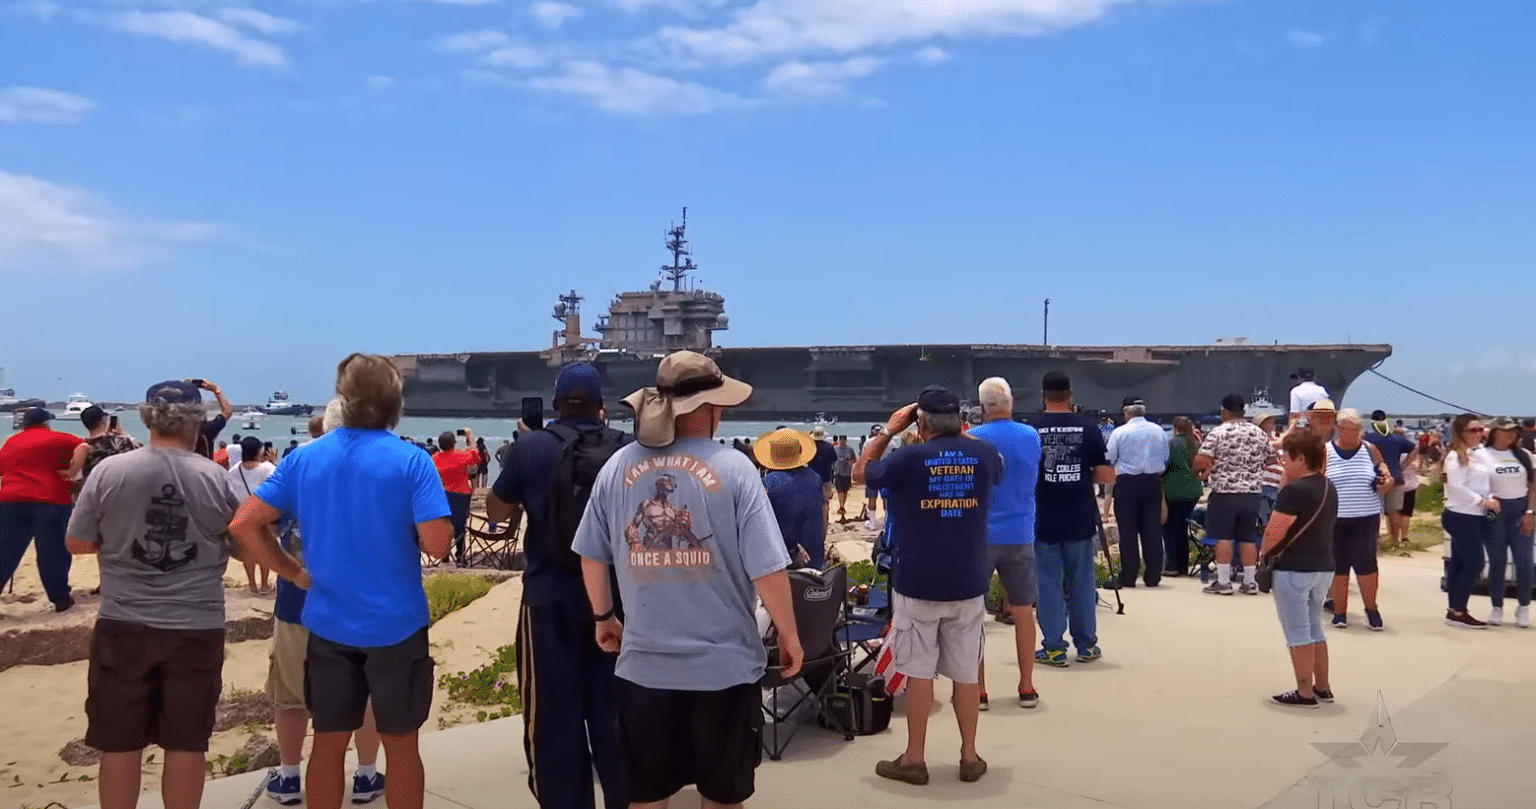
(1421, 537)
(863, 572)
(492, 685)
(450, 592)
(1430, 498)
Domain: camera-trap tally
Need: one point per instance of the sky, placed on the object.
(248, 192)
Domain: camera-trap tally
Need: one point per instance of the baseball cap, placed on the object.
(173, 391)
(579, 382)
(250, 447)
(1132, 400)
(1378, 415)
(938, 399)
(1056, 381)
(1305, 373)
(92, 416)
(1233, 403)
(35, 416)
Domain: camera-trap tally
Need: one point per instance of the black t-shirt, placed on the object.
(210, 434)
(1312, 550)
(1071, 448)
(525, 478)
(826, 458)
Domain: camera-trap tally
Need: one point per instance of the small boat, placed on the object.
(250, 420)
(76, 404)
(279, 405)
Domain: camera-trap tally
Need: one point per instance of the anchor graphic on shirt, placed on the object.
(164, 545)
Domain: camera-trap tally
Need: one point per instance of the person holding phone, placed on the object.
(455, 466)
(215, 425)
(106, 438)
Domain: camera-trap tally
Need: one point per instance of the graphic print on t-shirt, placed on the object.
(164, 545)
(951, 484)
(1061, 454)
(661, 534)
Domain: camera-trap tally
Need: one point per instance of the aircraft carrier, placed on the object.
(854, 382)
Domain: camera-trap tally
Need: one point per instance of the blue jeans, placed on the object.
(20, 523)
(1068, 594)
(1470, 535)
(1267, 497)
(1505, 540)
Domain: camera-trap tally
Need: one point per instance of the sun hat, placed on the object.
(1503, 423)
(1323, 405)
(784, 449)
(1262, 415)
(818, 434)
(685, 382)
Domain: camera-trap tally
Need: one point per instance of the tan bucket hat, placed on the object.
(685, 381)
(784, 449)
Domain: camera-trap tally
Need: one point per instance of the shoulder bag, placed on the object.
(1265, 574)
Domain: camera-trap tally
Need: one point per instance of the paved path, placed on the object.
(1175, 716)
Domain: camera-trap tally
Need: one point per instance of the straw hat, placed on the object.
(784, 449)
(818, 434)
(1324, 406)
(685, 382)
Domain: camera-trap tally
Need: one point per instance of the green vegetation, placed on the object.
(492, 685)
(450, 592)
(863, 572)
(1431, 498)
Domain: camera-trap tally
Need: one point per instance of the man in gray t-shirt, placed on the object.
(157, 516)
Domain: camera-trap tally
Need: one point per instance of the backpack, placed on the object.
(580, 457)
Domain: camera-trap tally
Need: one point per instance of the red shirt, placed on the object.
(30, 463)
(453, 466)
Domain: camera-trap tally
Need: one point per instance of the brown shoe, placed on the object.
(915, 774)
(972, 771)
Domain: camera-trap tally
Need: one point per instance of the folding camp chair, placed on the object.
(861, 634)
(818, 604)
(491, 545)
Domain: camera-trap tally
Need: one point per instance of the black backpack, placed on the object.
(580, 457)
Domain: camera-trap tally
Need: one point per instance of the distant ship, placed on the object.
(9, 402)
(279, 405)
(853, 382)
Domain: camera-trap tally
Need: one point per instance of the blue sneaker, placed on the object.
(1052, 657)
(1089, 654)
(366, 789)
(286, 791)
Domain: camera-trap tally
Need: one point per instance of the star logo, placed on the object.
(1380, 740)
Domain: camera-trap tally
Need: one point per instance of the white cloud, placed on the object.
(38, 105)
(932, 55)
(679, 6)
(472, 41)
(188, 28)
(553, 15)
(627, 91)
(258, 21)
(464, 2)
(1302, 38)
(379, 84)
(819, 80)
(48, 226)
(496, 49)
(523, 57)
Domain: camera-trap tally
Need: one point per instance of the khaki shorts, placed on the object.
(1392, 502)
(930, 638)
(285, 674)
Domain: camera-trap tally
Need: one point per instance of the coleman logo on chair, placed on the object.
(818, 593)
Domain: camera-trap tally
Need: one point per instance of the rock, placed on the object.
(78, 754)
(47, 638)
(246, 709)
(259, 753)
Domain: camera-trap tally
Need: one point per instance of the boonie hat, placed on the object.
(35, 416)
(579, 382)
(937, 399)
(173, 391)
(784, 449)
(685, 382)
(817, 434)
(1503, 423)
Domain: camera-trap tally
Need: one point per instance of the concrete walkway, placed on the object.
(1175, 716)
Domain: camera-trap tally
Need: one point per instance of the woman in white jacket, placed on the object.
(1468, 503)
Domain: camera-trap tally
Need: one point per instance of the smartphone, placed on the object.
(112, 423)
(460, 432)
(533, 412)
(196, 383)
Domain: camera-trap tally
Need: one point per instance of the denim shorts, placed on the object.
(1299, 602)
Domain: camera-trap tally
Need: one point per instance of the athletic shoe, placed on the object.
(286, 791)
(1056, 658)
(1089, 654)
(1294, 699)
(1339, 621)
(1323, 694)
(1373, 621)
(367, 788)
(1216, 588)
(914, 774)
(984, 705)
(1463, 620)
(1328, 605)
(1251, 588)
(1523, 617)
(1029, 699)
(1496, 616)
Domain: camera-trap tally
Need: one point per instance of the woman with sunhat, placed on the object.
(795, 492)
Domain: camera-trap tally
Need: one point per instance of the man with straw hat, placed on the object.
(686, 527)
(795, 491)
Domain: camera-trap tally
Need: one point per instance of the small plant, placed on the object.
(863, 572)
(453, 591)
(491, 684)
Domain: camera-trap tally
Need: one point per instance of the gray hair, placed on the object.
(1349, 415)
(940, 423)
(335, 414)
(1134, 411)
(182, 420)
(995, 394)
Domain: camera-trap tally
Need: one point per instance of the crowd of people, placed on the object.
(648, 555)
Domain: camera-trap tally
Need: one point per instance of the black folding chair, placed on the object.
(818, 605)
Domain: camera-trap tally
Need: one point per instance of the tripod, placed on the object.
(1109, 562)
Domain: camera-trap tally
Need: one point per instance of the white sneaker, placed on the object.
(1496, 616)
(1523, 617)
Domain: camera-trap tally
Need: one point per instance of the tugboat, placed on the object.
(279, 405)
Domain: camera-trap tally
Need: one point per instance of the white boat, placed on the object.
(76, 404)
(250, 420)
(279, 405)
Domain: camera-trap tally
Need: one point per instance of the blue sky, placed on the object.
(248, 192)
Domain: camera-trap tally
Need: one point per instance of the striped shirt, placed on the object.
(1275, 472)
(1138, 447)
(1355, 479)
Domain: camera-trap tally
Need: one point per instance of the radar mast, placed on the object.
(682, 257)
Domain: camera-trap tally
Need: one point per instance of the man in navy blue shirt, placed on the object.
(940, 493)
(570, 715)
(795, 492)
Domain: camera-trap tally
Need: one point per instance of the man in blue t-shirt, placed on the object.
(1393, 447)
(940, 491)
(1011, 525)
(369, 506)
(795, 492)
(1073, 458)
(570, 712)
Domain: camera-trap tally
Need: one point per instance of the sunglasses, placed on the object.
(1477, 430)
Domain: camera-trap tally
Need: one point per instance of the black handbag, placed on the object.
(1264, 575)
